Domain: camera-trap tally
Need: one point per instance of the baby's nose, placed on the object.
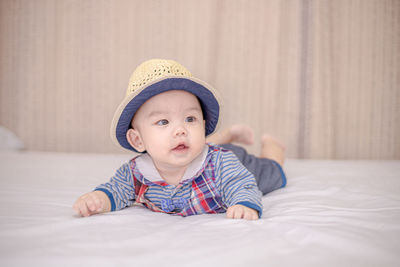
(180, 130)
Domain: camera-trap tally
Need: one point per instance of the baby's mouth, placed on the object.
(180, 147)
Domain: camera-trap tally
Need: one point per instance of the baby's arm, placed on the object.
(117, 194)
(92, 203)
(238, 187)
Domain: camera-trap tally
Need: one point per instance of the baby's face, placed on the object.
(171, 128)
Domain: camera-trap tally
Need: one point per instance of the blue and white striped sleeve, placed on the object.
(120, 189)
(238, 185)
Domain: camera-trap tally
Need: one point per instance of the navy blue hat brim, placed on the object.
(207, 99)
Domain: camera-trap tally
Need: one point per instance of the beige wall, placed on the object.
(323, 76)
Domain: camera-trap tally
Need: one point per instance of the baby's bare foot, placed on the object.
(237, 133)
(272, 149)
(242, 134)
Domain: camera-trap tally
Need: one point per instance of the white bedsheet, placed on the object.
(332, 213)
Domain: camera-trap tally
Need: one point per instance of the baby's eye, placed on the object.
(162, 122)
(190, 119)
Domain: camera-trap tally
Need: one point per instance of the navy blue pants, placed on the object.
(269, 174)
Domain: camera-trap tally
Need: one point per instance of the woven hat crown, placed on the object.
(155, 69)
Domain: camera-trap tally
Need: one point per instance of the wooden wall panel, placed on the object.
(257, 67)
(323, 76)
(355, 92)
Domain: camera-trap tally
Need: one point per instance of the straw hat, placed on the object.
(154, 77)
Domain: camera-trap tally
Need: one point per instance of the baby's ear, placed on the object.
(135, 140)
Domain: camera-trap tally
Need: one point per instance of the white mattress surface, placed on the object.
(332, 213)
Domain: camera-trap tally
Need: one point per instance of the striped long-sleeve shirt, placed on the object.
(217, 174)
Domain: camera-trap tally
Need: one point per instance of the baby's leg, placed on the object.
(237, 133)
(266, 169)
(272, 149)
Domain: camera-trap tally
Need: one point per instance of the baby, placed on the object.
(167, 115)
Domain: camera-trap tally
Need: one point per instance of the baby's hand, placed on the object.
(92, 203)
(241, 212)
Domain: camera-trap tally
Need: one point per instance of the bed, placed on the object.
(332, 213)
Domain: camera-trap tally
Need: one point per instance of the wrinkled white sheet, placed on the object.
(332, 213)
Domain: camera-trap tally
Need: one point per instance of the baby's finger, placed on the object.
(90, 205)
(229, 213)
(238, 213)
(94, 204)
(249, 215)
(99, 204)
(79, 207)
(85, 212)
(75, 207)
(256, 215)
